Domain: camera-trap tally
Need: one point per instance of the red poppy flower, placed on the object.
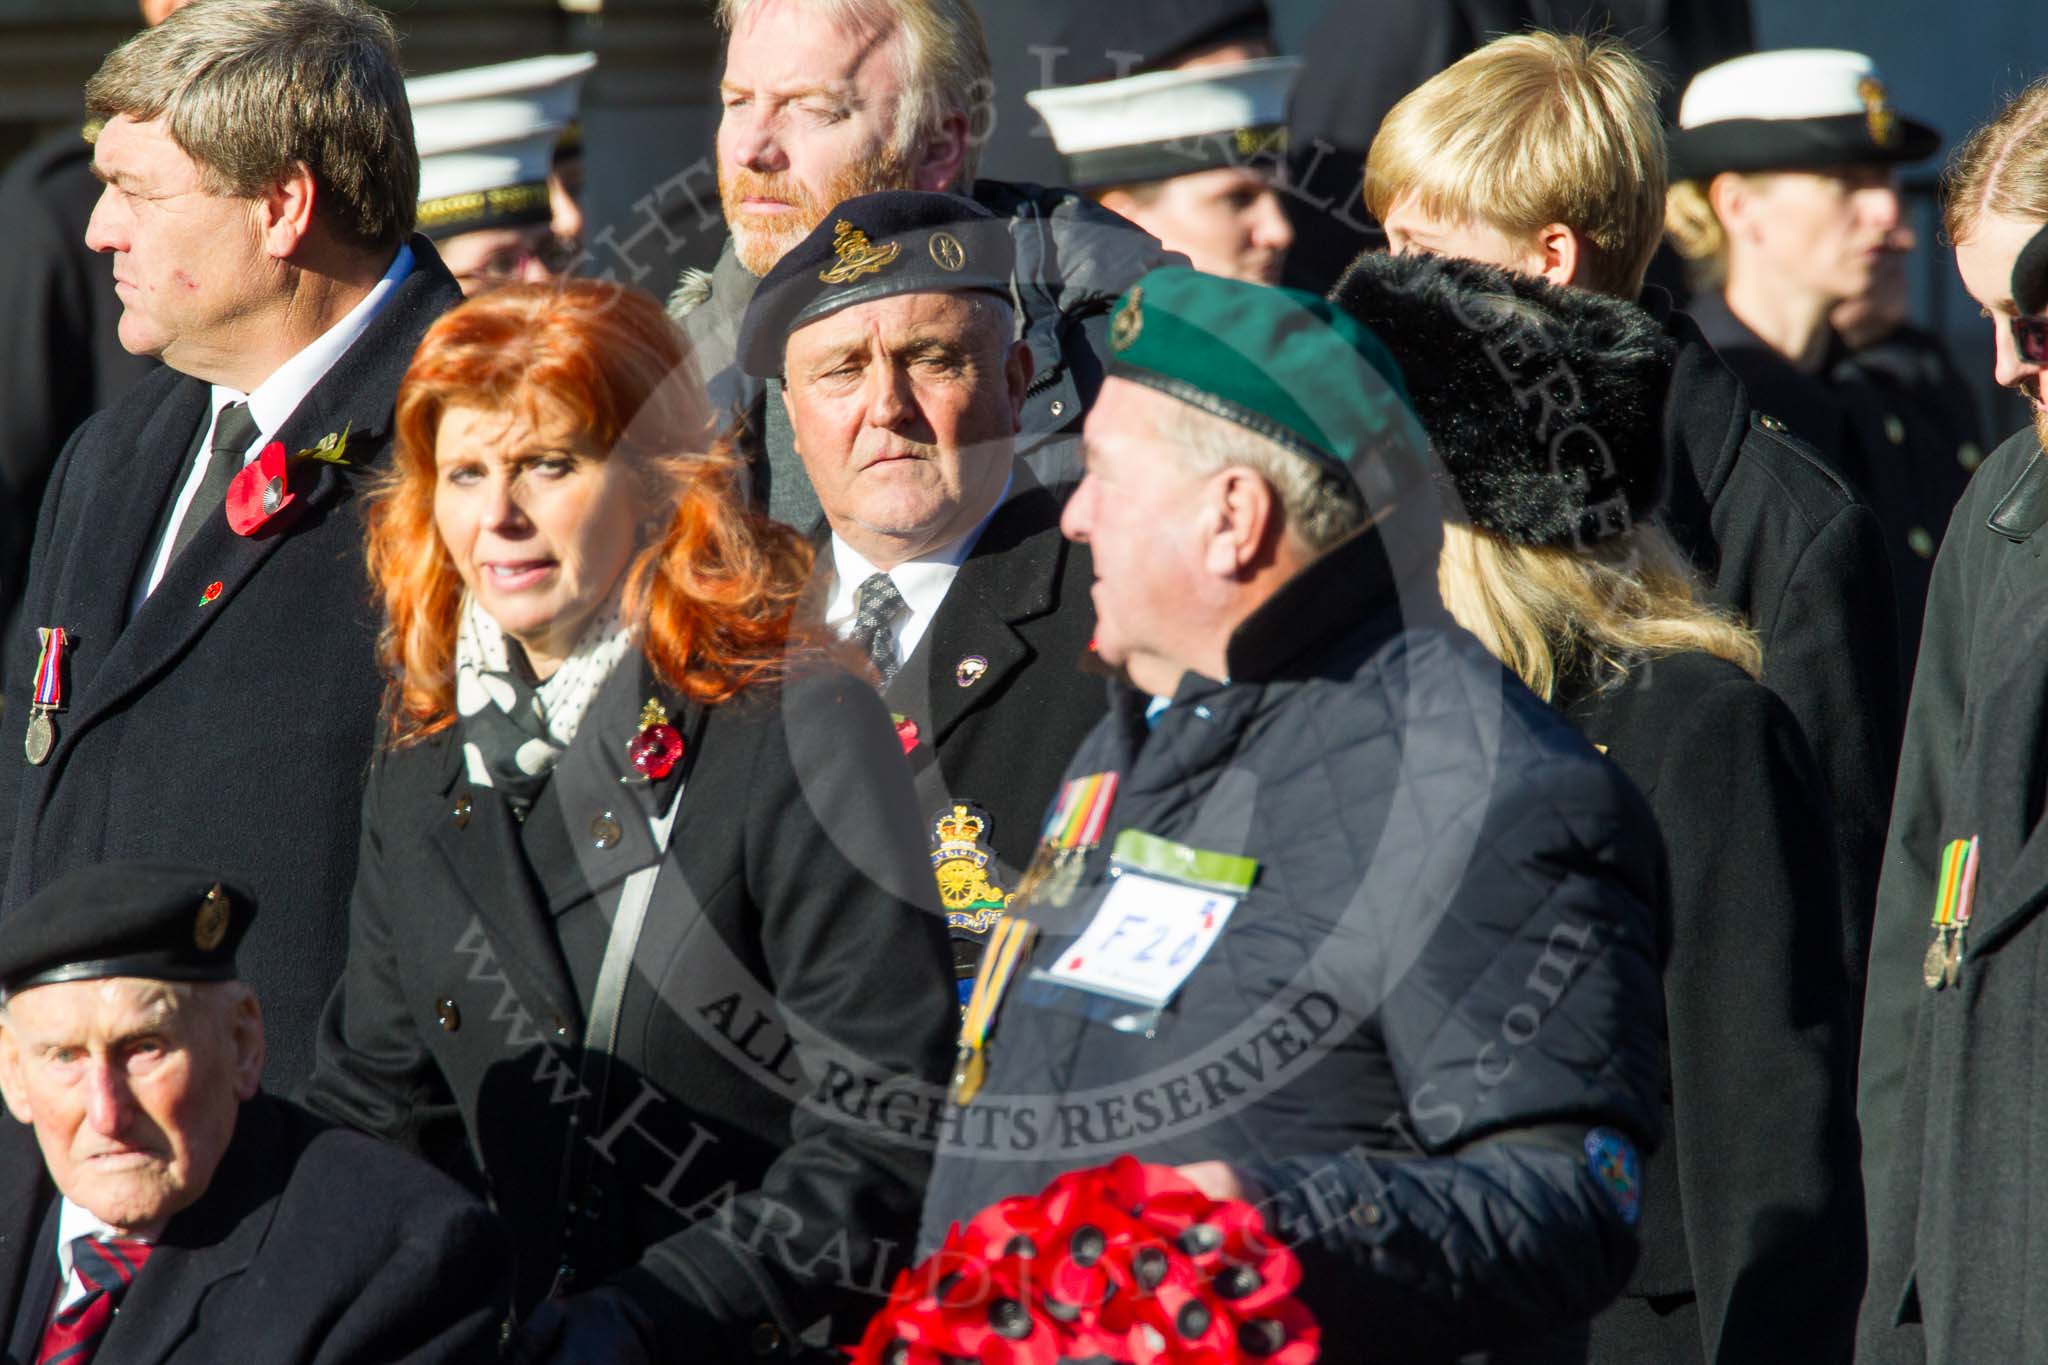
(260, 491)
(906, 733)
(212, 591)
(655, 751)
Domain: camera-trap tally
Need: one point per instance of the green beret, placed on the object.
(1289, 365)
(160, 921)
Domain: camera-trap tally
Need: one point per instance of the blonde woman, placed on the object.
(1545, 405)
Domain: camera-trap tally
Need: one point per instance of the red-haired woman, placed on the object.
(636, 944)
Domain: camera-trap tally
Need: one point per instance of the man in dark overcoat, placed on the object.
(1780, 537)
(941, 557)
(175, 1214)
(197, 610)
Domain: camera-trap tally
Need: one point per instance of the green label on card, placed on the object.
(1196, 866)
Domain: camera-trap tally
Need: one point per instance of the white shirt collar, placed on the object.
(75, 1221)
(923, 582)
(274, 400)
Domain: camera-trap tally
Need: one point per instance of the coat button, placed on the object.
(1770, 423)
(1921, 542)
(1058, 408)
(766, 1339)
(605, 831)
(463, 806)
(449, 1013)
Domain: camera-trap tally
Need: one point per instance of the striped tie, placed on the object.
(106, 1269)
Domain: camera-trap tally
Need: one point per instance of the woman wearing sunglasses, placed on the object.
(1785, 203)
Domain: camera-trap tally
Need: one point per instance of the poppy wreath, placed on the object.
(1126, 1262)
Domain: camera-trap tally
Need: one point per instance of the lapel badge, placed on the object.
(970, 670)
(213, 589)
(857, 255)
(656, 750)
(960, 859)
(260, 491)
(906, 731)
(211, 926)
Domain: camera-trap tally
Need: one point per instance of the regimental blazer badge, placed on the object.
(857, 255)
(960, 863)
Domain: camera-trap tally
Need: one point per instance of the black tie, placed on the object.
(875, 606)
(231, 437)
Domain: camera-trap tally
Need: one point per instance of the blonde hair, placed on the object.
(251, 88)
(1697, 235)
(2001, 168)
(1596, 613)
(942, 55)
(1533, 129)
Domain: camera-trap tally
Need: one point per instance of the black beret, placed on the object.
(875, 247)
(161, 921)
(2030, 275)
(1545, 405)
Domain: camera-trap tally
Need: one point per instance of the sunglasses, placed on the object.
(2030, 338)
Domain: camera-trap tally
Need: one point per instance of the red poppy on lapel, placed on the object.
(906, 732)
(260, 491)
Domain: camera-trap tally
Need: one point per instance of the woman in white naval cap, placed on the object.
(487, 138)
(1784, 197)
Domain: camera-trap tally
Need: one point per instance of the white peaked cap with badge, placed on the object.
(1167, 123)
(487, 138)
(1797, 108)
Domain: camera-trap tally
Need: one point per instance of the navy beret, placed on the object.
(874, 247)
(161, 921)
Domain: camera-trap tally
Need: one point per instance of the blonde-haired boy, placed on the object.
(1542, 153)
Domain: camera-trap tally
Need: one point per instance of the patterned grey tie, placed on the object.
(876, 605)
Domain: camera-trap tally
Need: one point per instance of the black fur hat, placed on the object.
(1545, 405)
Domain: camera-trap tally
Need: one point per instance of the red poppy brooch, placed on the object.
(906, 731)
(1127, 1262)
(263, 488)
(656, 750)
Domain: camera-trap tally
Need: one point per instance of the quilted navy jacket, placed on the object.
(1433, 1025)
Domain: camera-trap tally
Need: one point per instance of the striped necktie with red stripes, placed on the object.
(107, 1268)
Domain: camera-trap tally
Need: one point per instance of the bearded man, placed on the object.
(825, 101)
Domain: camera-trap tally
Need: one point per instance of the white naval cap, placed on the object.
(487, 136)
(1796, 108)
(1168, 123)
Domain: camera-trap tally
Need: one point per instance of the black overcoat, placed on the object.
(231, 726)
(1991, 559)
(1785, 541)
(998, 686)
(1753, 1220)
(1957, 1253)
(787, 1015)
(312, 1246)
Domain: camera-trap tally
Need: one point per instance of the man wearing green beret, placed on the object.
(177, 1215)
(1330, 912)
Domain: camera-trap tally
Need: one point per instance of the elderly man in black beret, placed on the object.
(1332, 913)
(890, 328)
(178, 1214)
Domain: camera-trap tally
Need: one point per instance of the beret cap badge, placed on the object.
(947, 253)
(857, 255)
(1129, 321)
(211, 925)
(1884, 124)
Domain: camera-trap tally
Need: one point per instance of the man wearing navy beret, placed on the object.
(891, 331)
(179, 1216)
(1338, 917)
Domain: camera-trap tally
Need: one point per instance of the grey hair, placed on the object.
(1318, 507)
(249, 89)
(941, 54)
